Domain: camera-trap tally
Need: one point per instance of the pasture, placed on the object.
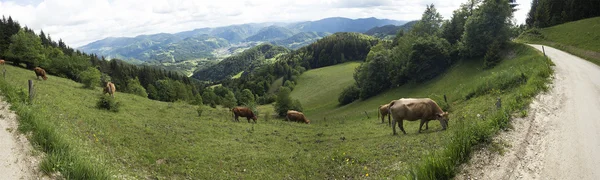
(578, 37)
(149, 139)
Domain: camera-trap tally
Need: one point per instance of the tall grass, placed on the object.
(60, 155)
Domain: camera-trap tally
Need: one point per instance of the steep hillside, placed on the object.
(337, 48)
(339, 24)
(301, 39)
(578, 37)
(245, 61)
(271, 33)
(389, 30)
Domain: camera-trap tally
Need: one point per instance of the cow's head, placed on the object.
(443, 118)
(254, 118)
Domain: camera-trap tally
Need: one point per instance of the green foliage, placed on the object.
(198, 100)
(453, 29)
(492, 56)
(134, 87)
(209, 97)
(284, 102)
(200, 110)
(246, 97)
(289, 84)
(27, 48)
(108, 103)
(430, 23)
(90, 78)
(349, 95)
(429, 58)
(229, 100)
(489, 23)
(546, 13)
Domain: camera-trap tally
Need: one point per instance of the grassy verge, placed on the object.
(579, 38)
(61, 155)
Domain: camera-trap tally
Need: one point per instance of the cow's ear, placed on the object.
(440, 115)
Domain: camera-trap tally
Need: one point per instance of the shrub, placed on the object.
(108, 103)
(200, 109)
(266, 99)
(350, 94)
(492, 56)
(90, 77)
(134, 87)
(284, 102)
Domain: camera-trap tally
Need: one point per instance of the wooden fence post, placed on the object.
(4, 73)
(31, 94)
(544, 51)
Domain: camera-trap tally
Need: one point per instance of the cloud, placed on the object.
(80, 22)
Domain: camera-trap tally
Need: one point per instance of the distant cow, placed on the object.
(40, 72)
(243, 112)
(110, 89)
(410, 109)
(384, 111)
(1, 61)
(296, 116)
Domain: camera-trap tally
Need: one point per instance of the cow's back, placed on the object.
(412, 108)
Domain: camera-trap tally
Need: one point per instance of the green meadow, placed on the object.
(149, 139)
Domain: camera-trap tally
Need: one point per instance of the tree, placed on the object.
(246, 97)
(90, 78)
(229, 100)
(134, 87)
(453, 29)
(430, 22)
(429, 58)
(490, 22)
(284, 102)
(28, 48)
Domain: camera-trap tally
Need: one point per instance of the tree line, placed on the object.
(546, 13)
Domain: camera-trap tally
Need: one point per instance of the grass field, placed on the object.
(580, 38)
(157, 140)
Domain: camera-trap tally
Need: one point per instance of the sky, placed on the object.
(79, 22)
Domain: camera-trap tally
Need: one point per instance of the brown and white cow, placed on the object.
(40, 72)
(384, 111)
(411, 109)
(110, 89)
(243, 112)
(296, 116)
(2, 61)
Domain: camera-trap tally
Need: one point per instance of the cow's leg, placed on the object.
(389, 123)
(427, 125)
(394, 126)
(401, 125)
(421, 125)
(248, 119)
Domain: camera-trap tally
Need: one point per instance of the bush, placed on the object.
(108, 103)
(134, 87)
(200, 109)
(283, 103)
(350, 94)
(266, 99)
(492, 56)
(90, 77)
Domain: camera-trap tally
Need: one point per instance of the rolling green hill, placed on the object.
(301, 39)
(578, 37)
(157, 140)
(389, 31)
(271, 33)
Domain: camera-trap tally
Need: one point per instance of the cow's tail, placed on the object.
(378, 112)
(390, 111)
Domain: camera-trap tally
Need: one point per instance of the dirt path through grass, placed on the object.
(16, 156)
(560, 139)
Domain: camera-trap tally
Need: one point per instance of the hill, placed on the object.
(577, 37)
(389, 30)
(245, 61)
(340, 24)
(301, 39)
(271, 33)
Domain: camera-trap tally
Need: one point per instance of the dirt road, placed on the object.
(560, 139)
(16, 156)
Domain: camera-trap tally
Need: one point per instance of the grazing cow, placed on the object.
(383, 111)
(110, 89)
(296, 116)
(40, 72)
(244, 112)
(1, 61)
(410, 109)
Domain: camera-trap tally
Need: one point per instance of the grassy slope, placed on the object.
(318, 89)
(578, 37)
(151, 139)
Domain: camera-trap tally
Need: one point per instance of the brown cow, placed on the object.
(244, 112)
(296, 116)
(383, 111)
(110, 89)
(410, 109)
(1, 61)
(40, 72)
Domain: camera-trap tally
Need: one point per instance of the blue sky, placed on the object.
(79, 22)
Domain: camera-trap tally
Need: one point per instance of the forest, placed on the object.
(546, 13)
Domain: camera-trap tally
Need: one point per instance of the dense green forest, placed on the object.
(389, 30)
(545, 13)
(245, 61)
(22, 46)
(477, 29)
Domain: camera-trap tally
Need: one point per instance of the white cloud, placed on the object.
(80, 22)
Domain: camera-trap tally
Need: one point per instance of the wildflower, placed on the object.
(367, 174)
